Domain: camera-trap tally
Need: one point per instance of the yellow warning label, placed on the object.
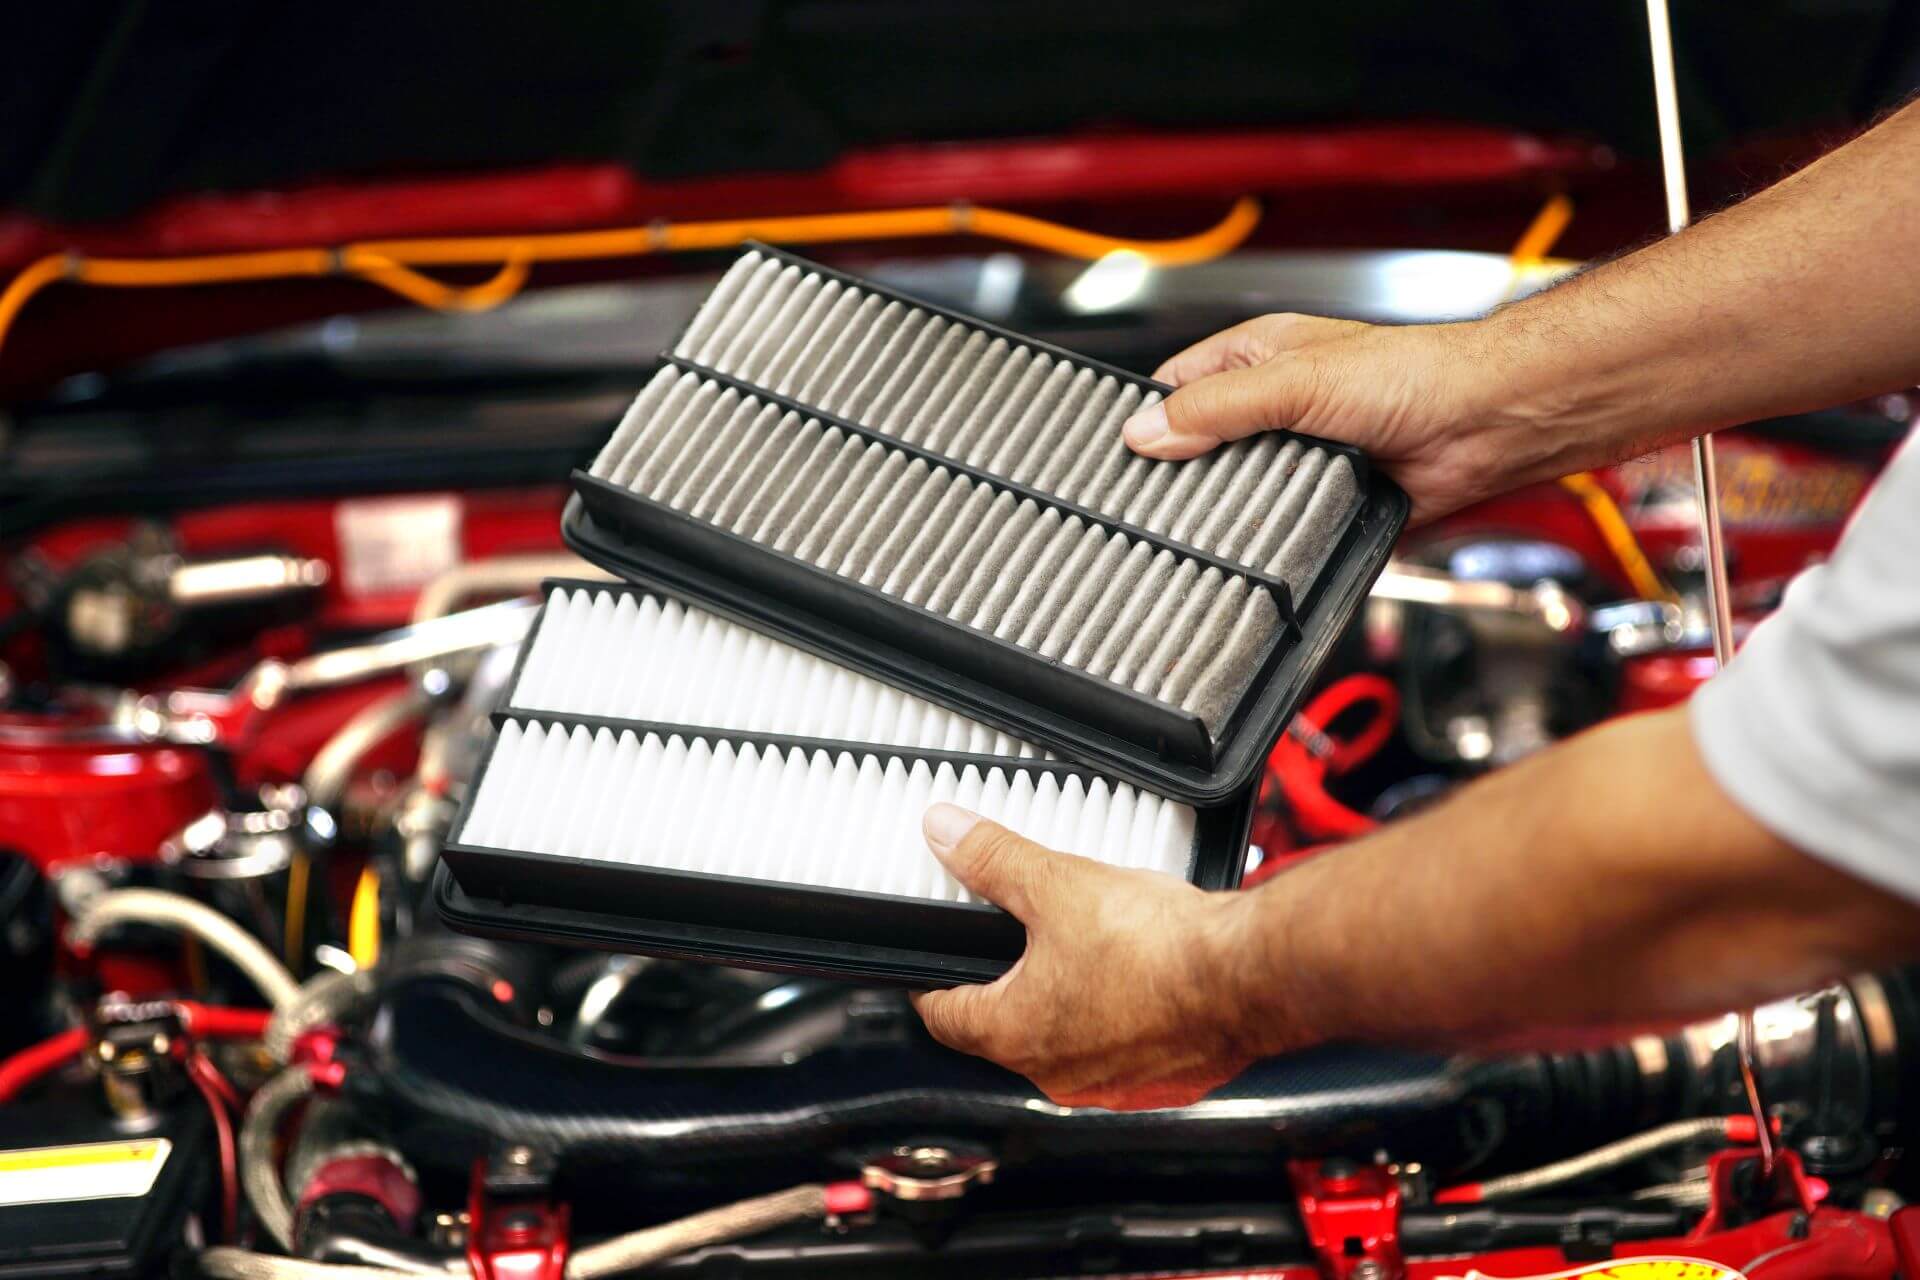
(82, 1171)
(1663, 1268)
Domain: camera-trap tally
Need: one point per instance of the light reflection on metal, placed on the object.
(1111, 283)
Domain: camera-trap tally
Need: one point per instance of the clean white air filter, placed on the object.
(629, 655)
(847, 820)
(841, 818)
(668, 780)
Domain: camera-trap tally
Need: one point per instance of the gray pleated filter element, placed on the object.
(952, 508)
(1165, 625)
(1010, 410)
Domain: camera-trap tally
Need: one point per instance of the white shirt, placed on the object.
(1814, 727)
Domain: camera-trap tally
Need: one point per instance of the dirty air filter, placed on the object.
(666, 780)
(952, 508)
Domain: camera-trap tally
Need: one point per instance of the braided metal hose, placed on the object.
(744, 1218)
(1601, 1159)
(258, 1174)
(630, 1252)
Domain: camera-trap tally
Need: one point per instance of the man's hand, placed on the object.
(1117, 1002)
(1414, 398)
(1798, 298)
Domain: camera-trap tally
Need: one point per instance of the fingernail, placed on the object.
(1147, 426)
(946, 825)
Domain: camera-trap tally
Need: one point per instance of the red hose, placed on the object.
(1311, 752)
(205, 1021)
(214, 1088)
(28, 1065)
(223, 1022)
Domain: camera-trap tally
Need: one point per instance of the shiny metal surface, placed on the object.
(1545, 603)
(209, 582)
(1402, 286)
(621, 328)
(1854, 1074)
(202, 716)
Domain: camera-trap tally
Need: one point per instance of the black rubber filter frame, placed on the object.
(764, 924)
(1083, 717)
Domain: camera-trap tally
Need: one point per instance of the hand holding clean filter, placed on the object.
(656, 757)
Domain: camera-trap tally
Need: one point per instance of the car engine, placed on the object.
(259, 597)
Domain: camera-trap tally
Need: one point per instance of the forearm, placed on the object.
(1798, 298)
(1604, 883)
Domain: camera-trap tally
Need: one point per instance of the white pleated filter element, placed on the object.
(1167, 626)
(843, 820)
(627, 655)
(1020, 413)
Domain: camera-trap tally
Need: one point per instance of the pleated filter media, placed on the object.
(954, 508)
(634, 655)
(1013, 411)
(644, 735)
(846, 819)
(1065, 588)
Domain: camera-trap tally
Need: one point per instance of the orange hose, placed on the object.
(1611, 524)
(1537, 241)
(391, 264)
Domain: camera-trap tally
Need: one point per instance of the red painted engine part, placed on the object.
(1096, 166)
(374, 1176)
(1352, 1216)
(484, 523)
(1351, 1213)
(63, 803)
(521, 1238)
(1784, 507)
(72, 803)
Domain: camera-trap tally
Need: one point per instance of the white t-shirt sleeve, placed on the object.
(1814, 727)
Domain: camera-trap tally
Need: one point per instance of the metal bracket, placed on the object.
(920, 1172)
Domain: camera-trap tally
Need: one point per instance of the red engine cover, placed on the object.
(68, 801)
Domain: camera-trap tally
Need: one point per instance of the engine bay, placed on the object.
(258, 602)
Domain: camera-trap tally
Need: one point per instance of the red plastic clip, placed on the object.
(1352, 1215)
(524, 1238)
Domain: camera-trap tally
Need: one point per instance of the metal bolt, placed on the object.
(926, 1159)
(1367, 1269)
(449, 1230)
(519, 1156)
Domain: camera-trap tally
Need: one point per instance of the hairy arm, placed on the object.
(1607, 883)
(1797, 298)
(1604, 884)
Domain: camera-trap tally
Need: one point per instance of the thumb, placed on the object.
(999, 865)
(960, 1018)
(1228, 405)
